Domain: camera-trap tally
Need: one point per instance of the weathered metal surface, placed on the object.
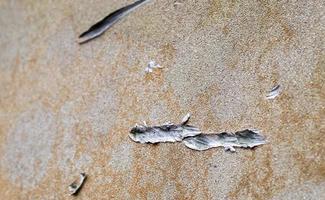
(66, 108)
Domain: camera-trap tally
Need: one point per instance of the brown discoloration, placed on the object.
(307, 169)
(317, 85)
(217, 9)
(225, 30)
(258, 182)
(168, 52)
(205, 116)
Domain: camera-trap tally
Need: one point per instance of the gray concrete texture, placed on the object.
(67, 108)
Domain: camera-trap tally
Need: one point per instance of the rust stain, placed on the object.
(309, 170)
(214, 10)
(257, 186)
(204, 98)
(168, 52)
(309, 167)
(317, 85)
(217, 10)
(226, 30)
(273, 15)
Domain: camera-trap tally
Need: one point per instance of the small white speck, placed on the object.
(151, 66)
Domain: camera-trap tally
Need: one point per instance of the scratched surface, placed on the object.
(66, 108)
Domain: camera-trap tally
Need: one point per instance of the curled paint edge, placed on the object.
(76, 185)
(190, 141)
(186, 119)
(107, 22)
(274, 92)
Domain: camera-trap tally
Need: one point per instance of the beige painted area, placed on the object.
(67, 108)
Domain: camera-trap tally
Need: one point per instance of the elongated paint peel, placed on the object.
(244, 139)
(104, 24)
(164, 133)
(193, 138)
(77, 184)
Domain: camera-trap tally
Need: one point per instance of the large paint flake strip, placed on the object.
(164, 133)
(245, 139)
(104, 24)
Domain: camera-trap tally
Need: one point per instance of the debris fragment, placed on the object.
(104, 24)
(75, 187)
(245, 139)
(274, 92)
(151, 66)
(165, 133)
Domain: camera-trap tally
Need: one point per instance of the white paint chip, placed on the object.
(76, 185)
(151, 66)
(275, 91)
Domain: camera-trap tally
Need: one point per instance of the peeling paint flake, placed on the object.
(168, 132)
(75, 187)
(104, 24)
(151, 66)
(244, 139)
(275, 91)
